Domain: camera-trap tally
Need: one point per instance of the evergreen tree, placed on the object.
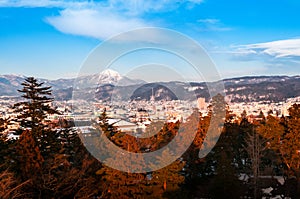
(7, 146)
(255, 146)
(244, 117)
(219, 170)
(218, 114)
(38, 143)
(106, 128)
(32, 113)
(166, 182)
(226, 183)
(30, 160)
(3, 125)
(118, 184)
(10, 186)
(261, 116)
(272, 131)
(290, 145)
(3, 140)
(200, 124)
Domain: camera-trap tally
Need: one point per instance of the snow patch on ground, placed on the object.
(280, 179)
(243, 177)
(267, 191)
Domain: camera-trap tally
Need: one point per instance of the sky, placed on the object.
(54, 38)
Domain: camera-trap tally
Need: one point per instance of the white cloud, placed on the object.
(277, 49)
(137, 7)
(94, 23)
(209, 21)
(43, 3)
(131, 6)
(101, 19)
(195, 1)
(211, 25)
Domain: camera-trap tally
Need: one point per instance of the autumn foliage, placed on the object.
(49, 160)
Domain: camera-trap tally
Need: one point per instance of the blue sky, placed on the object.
(52, 38)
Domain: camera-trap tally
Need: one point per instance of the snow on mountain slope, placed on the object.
(109, 76)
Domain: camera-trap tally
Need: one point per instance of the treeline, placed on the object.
(49, 160)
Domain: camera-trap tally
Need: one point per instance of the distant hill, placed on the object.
(9, 84)
(274, 88)
(62, 88)
(110, 84)
(153, 91)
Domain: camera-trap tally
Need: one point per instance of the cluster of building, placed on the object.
(137, 115)
(128, 116)
(266, 107)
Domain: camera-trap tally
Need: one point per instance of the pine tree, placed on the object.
(34, 110)
(38, 143)
(290, 147)
(226, 183)
(10, 186)
(223, 162)
(200, 124)
(272, 131)
(5, 144)
(218, 113)
(32, 113)
(255, 146)
(106, 128)
(166, 182)
(3, 138)
(3, 125)
(30, 160)
(118, 183)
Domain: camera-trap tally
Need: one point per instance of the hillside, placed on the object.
(111, 84)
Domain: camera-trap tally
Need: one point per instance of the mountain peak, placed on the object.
(110, 72)
(109, 76)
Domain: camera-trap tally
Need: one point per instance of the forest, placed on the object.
(253, 157)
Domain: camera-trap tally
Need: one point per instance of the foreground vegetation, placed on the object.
(49, 160)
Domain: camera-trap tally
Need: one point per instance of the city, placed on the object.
(115, 99)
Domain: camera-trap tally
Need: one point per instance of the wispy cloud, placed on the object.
(275, 57)
(101, 19)
(43, 3)
(94, 23)
(209, 21)
(211, 25)
(132, 6)
(135, 7)
(277, 49)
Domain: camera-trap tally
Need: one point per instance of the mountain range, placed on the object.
(110, 84)
(9, 84)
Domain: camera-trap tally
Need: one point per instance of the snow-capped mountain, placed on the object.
(246, 89)
(14, 80)
(109, 76)
(9, 84)
(257, 79)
